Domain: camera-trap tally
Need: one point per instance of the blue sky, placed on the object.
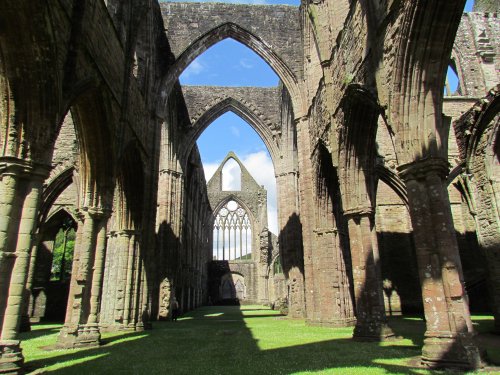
(229, 63)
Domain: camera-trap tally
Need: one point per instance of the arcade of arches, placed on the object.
(388, 188)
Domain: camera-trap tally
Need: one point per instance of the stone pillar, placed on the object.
(21, 188)
(449, 338)
(81, 326)
(306, 213)
(371, 322)
(332, 297)
(92, 328)
(29, 298)
(128, 287)
(290, 241)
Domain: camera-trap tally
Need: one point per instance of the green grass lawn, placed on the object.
(236, 340)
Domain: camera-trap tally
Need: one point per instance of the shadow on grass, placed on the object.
(408, 327)
(37, 332)
(231, 342)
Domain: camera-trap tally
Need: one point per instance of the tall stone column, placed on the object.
(333, 302)
(306, 214)
(449, 337)
(80, 328)
(28, 300)
(128, 286)
(92, 328)
(290, 240)
(21, 187)
(371, 322)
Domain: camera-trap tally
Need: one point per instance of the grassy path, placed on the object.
(233, 340)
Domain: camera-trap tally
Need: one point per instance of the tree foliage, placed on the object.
(63, 255)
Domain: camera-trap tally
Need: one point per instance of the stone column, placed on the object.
(333, 303)
(290, 240)
(128, 287)
(449, 336)
(86, 283)
(371, 322)
(306, 212)
(21, 186)
(92, 328)
(29, 298)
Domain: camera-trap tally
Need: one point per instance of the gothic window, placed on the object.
(64, 244)
(232, 233)
(452, 84)
(231, 176)
(277, 267)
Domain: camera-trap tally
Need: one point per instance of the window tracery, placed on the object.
(232, 233)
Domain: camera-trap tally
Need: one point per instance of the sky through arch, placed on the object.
(230, 63)
(230, 132)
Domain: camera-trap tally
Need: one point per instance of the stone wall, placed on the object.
(476, 54)
(255, 272)
(276, 26)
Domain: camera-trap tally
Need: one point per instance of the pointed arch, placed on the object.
(54, 189)
(392, 180)
(234, 105)
(93, 128)
(238, 200)
(233, 224)
(231, 168)
(257, 45)
(419, 74)
(129, 189)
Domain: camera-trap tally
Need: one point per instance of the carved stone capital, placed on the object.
(25, 169)
(97, 213)
(421, 169)
(323, 231)
(358, 212)
(170, 172)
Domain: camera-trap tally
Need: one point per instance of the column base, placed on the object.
(333, 323)
(452, 351)
(11, 357)
(372, 331)
(81, 336)
(120, 327)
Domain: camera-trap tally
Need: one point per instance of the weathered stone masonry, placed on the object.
(96, 132)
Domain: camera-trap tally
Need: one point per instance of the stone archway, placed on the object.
(220, 106)
(259, 46)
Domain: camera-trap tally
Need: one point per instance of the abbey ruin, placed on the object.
(388, 183)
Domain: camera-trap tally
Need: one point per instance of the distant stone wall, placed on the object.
(278, 26)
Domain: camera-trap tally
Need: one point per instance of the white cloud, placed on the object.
(209, 169)
(235, 131)
(231, 176)
(260, 166)
(246, 63)
(194, 69)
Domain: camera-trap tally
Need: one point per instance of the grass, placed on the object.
(233, 340)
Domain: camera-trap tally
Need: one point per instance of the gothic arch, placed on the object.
(96, 162)
(246, 113)
(232, 197)
(54, 189)
(129, 189)
(418, 77)
(61, 212)
(483, 126)
(256, 44)
(392, 180)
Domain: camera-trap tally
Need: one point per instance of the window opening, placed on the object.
(232, 233)
(231, 176)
